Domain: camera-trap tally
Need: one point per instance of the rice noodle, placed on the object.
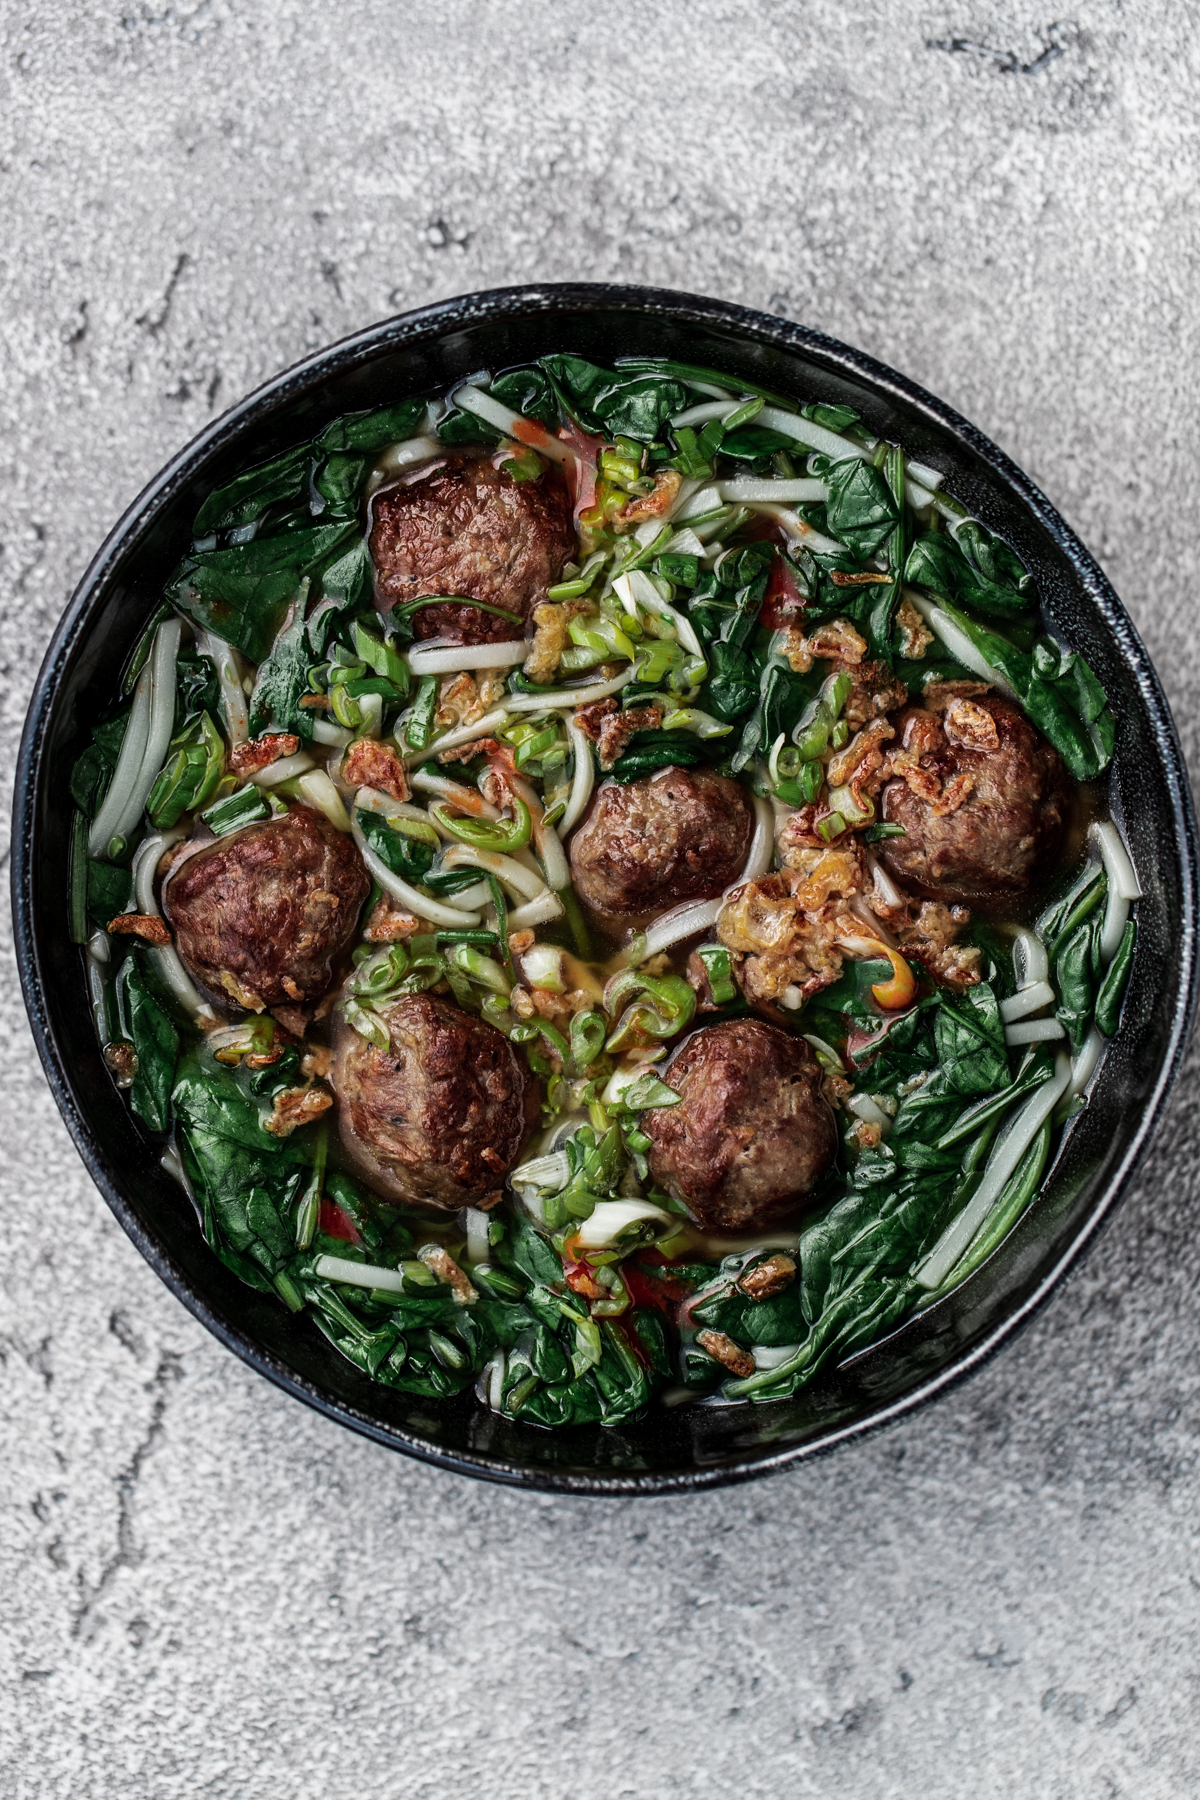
(829, 443)
(448, 659)
(546, 840)
(465, 798)
(681, 922)
(129, 761)
(514, 424)
(409, 897)
(1105, 838)
(1116, 917)
(406, 455)
(539, 911)
(164, 957)
(1031, 965)
(370, 799)
(357, 1274)
(276, 773)
(582, 781)
(462, 734)
(1033, 1031)
(762, 844)
(472, 899)
(1001, 1166)
(326, 732)
(928, 478)
(1030, 999)
(559, 697)
(495, 1372)
(703, 411)
(98, 956)
(748, 490)
(230, 674)
(796, 527)
(1084, 1065)
(507, 870)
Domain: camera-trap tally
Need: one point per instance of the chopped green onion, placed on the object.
(502, 836)
(245, 807)
(719, 970)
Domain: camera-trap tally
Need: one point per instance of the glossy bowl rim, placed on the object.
(436, 320)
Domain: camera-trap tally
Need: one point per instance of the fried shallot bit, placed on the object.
(653, 505)
(590, 719)
(316, 1062)
(389, 924)
(294, 1107)
(769, 1277)
(618, 727)
(956, 790)
(859, 764)
(777, 942)
(837, 641)
(467, 752)
(824, 870)
(865, 1135)
(519, 941)
(146, 926)
(122, 1063)
(722, 1349)
(970, 727)
(915, 635)
(793, 647)
(559, 1006)
(261, 752)
(836, 1089)
(439, 1262)
(875, 691)
(929, 940)
(550, 624)
(462, 699)
(938, 695)
(369, 763)
(844, 578)
(243, 995)
(294, 1020)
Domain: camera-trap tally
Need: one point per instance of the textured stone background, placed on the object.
(208, 1591)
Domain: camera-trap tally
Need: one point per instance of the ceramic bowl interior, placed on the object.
(690, 1446)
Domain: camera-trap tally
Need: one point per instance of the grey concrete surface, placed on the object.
(205, 1589)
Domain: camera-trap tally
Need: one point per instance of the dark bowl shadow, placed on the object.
(690, 1447)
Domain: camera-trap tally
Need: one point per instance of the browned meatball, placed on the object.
(753, 1133)
(439, 1117)
(681, 834)
(982, 805)
(261, 917)
(468, 528)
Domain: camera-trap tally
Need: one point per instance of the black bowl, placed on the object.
(691, 1447)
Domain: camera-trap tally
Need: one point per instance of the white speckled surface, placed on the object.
(207, 1590)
